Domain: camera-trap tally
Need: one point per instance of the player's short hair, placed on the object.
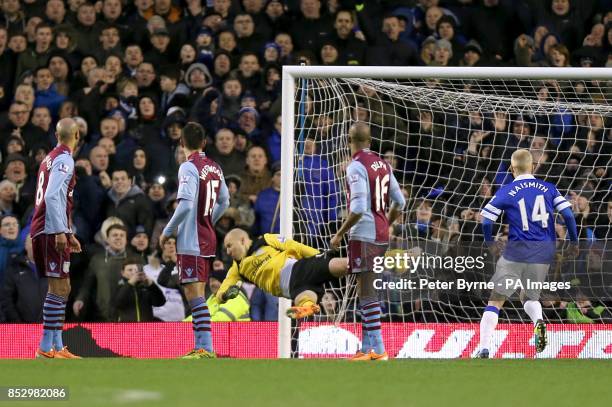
(193, 136)
(360, 133)
(117, 226)
(237, 233)
(521, 160)
(66, 129)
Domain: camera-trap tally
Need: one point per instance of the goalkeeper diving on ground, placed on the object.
(284, 268)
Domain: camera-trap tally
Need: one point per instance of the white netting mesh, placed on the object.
(449, 142)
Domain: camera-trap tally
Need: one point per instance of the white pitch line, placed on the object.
(136, 395)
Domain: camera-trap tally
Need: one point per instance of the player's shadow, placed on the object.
(82, 343)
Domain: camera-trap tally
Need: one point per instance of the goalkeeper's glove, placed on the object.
(231, 293)
(329, 254)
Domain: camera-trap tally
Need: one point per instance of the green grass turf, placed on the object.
(314, 383)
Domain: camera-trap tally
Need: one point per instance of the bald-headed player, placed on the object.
(529, 205)
(283, 268)
(52, 238)
(371, 185)
(202, 198)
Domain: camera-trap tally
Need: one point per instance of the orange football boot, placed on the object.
(376, 357)
(359, 356)
(371, 355)
(40, 354)
(303, 312)
(65, 354)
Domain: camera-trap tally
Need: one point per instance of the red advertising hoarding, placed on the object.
(259, 340)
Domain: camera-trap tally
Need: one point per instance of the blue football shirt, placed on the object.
(529, 205)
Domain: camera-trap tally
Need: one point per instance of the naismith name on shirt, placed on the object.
(464, 285)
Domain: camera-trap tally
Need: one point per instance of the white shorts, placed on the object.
(510, 276)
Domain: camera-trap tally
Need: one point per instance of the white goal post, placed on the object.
(291, 95)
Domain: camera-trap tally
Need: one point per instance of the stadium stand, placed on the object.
(134, 73)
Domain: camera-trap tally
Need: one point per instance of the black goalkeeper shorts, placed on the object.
(310, 274)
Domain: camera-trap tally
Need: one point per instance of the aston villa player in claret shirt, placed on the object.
(52, 237)
(203, 197)
(371, 186)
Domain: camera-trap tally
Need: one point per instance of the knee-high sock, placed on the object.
(487, 326)
(365, 338)
(201, 324)
(371, 317)
(58, 342)
(534, 310)
(54, 310)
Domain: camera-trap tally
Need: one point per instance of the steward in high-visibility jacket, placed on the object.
(236, 309)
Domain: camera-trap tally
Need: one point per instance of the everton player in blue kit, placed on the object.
(371, 186)
(529, 205)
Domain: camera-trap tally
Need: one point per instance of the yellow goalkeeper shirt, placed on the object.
(263, 263)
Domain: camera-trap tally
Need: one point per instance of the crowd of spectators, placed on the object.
(133, 73)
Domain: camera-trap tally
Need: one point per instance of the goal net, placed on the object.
(449, 138)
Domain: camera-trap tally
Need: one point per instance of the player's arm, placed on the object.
(222, 202)
(56, 199)
(398, 202)
(233, 277)
(181, 211)
(358, 186)
(188, 185)
(490, 214)
(56, 196)
(565, 209)
(299, 249)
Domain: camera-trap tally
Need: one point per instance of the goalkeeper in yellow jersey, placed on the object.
(284, 268)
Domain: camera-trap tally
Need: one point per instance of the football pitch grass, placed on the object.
(315, 383)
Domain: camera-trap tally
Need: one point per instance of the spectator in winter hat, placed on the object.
(446, 29)
(198, 76)
(161, 53)
(442, 53)
(248, 119)
(329, 53)
(428, 48)
(472, 53)
(173, 123)
(272, 52)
